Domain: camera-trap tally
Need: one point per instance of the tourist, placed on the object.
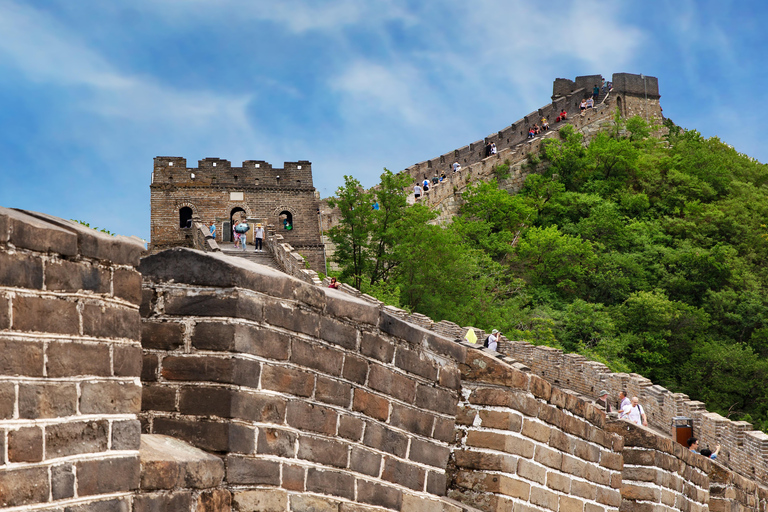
(623, 402)
(488, 150)
(693, 444)
(531, 133)
(635, 413)
(562, 116)
(243, 228)
(602, 400)
(595, 92)
(709, 453)
(442, 176)
(435, 179)
(590, 103)
(213, 230)
(456, 167)
(334, 284)
(258, 238)
(235, 234)
(493, 148)
(417, 191)
(583, 106)
(544, 124)
(425, 184)
(492, 341)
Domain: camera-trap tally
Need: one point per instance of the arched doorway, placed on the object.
(235, 214)
(285, 220)
(620, 106)
(185, 217)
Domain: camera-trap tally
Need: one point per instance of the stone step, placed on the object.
(263, 258)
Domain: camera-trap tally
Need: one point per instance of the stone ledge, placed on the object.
(168, 463)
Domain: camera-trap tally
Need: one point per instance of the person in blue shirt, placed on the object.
(213, 230)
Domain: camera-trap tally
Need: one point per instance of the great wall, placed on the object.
(191, 380)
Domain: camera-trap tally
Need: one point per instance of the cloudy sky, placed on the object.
(91, 91)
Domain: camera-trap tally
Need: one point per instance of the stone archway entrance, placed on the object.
(234, 213)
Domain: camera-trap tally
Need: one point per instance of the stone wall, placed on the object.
(70, 361)
(303, 390)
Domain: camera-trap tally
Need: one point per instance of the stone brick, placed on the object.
(436, 399)
(639, 493)
(574, 466)
(484, 461)
(7, 400)
(65, 439)
(169, 463)
(334, 483)
(338, 333)
(214, 500)
(402, 473)
(570, 504)
(401, 329)
(446, 347)
(355, 369)
(548, 457)
(248, 470)
(148, 302)
(391, 383)
(62, 481)
(575, 426)
(227, 370)
(609, 496)
(162, 335)
(316, 356)
(301, 503)
(242, 438)
(108, 505)
(262, 500)
(412, 420)
(502, 420)
(5, 316)
(375, 406)
(66, 359)
(21, 270)
(125, 435)
(25, 230)
(586, 451)
(466, 415)
(258, 407)
(531, 471)
(19, 357)
(47, 400)
(444, 429)
(45, 315)
(414, 362)
(450, 377)
(292, 318)
(538, 431)
(350, 427)
(379, 495)
(437, 483)
(429, 453)
(333, 392)
(364, 461)
(104, 322)
(68, 276)
(558, 482)
(287, 380)
(158, 398)
(503, 398)
(551, 415)
(106, 476)
(481, 367)
(293, 477)
(150, 364)
(126, 360)
(206, 435)
(598, 475)
(110, 397)
(204, 303)
(501, 442)
(25, 445)
(312, 418)
(323, 451)
(583, 489)
(377, 347)
(385, 439)
(179, 501)
(275, 441)
(206, 401)
(126, 284)
(26, 486)
(544, 498)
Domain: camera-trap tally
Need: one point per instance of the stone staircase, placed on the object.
(263, 258)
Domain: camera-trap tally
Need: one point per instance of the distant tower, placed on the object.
(216, 191)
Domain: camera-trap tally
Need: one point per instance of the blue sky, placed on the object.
(91, 91)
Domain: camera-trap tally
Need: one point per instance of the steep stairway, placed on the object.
(263, 258)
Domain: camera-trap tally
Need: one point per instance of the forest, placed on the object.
(645, 253)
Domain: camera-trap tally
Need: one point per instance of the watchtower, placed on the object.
(283, 199)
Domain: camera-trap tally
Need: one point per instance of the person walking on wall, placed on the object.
(623, 402)
(213, 230)
(258, 238)
(492, 341)
(595, 92)
(602, 399)
(417, 191)
(635, 413)
(242, 228)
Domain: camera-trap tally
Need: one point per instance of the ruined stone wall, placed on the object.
(303, 390)
(70, 361)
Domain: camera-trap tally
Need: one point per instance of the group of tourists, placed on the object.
(239, 230)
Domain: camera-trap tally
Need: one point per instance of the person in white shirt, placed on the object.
(456, 166)
(258, 238)
(417, 191)
(635, 413)
(623, 403)
(492, 341)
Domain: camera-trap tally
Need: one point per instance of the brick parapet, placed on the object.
(70, 364)
(300, 388)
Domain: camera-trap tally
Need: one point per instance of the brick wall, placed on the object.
(305, 391)
(70, 361)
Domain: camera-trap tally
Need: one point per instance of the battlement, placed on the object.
(219, 172)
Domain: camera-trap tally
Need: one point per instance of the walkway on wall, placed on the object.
(263, 258)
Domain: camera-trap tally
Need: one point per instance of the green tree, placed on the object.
(352, 234)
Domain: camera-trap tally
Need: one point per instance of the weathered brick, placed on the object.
(158, 397)
(364, 461)
(531, 471)
(7, 400)
(275, 441)
(444, 429)
(355, 369)
(609, 496)
(504, 398)
(65, 359)
(214, 500)
(436, 399)
(247, 339)
(334, 483)
(204, 303)
(213, 336)
(126, 360)
(293, 477)
(399, 328)
(25, 445)
(539, 387)
(308, 503)
(62, 481)
(68, 276)
(484, 461)
(150, 364)
(126, 435)
(551, 415)
(105, 476)
(104, 322)
(179, 501)
(287, 380)
(292, 318)
(413, 420)
(402, 473)
(501, 442)
(19, 357)
(206, 435)
(23, 486)
(21, 270)
(538, 431)
(242, 438)
(248, 470)
(586, 451)
(126, 284)
(338, 333)
(393, 384)
(502, 420)
(311, 417)
(350, 427)
(375, 406)
(316, 356)
(429, 453)
(206, 401)
(437, 483)
(65, 439)
(162, 335)
(110, 397)
(575, 426)
(599, 475)
(379, 495)
(47, 400)
(5, 316)
(333, 392)
(28, 231)
(229, 370)
(258, 407)
(548, 457)
(450, 377)
(148, 302)
(108, 505)
(377, 347)
(583, 489)
(570, 504)
(466, 415)
(444, 346)
(415, 362)
(559, 440)
(544, 498)
(323, 451)
(384, 439)
(559, 482)
(574, 466)
(45, 315)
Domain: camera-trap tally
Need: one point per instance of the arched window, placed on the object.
(285, 220)
(185, 217)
